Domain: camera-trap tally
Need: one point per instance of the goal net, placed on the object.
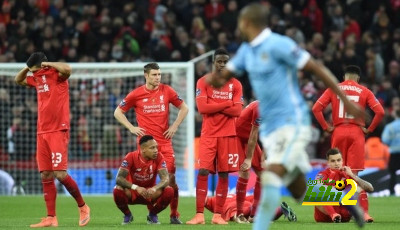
(98, 142)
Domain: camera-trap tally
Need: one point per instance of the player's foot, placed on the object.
(240, 219)
(288, 212)
(357, 213)
(152, 219)
(197, 219)
(127, 219)
(368, 218)
(336, 218)
(251, 219)
(175, 220)
(49, 221)
(84, 215)
(217, 219)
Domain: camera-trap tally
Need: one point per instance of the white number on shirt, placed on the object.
(342, 114)
(233, 159)
(56, 158)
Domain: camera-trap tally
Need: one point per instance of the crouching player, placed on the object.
(230, 211)
(336, 171)
(136, 181)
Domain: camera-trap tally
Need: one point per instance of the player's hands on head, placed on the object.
(137, 131)
(45, 64)
(170, 132)
(245, 165)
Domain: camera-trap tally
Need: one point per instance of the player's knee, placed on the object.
(60, 175)
(203, 172)
(46, 175)
(223, 175)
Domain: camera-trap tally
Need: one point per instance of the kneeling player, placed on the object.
(136, 181)
(336, 171)
(230, 211)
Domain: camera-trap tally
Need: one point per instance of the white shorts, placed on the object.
(287, 146)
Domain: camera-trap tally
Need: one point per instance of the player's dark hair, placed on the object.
(145, 139)
(147, 68)
(332, 151)
(258, 14)
(36, 59)
(220, 51)
(352, 69)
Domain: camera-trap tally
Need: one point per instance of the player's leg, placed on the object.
(257, 167)
(168, 153)
(221, 193)
(241, 185)
(207, 149)
(320, 215)
(59, 147)
(160, 200)
(47, 176)
(122, 197)
(330, 212)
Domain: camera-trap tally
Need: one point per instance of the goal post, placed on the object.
(97, 143)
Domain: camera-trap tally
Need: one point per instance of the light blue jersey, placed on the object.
(271, 61)
(391, 136)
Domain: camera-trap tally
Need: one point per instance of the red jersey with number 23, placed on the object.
(52, 99)
(152, 109)
(143, 172)
(355, 93)
(219, 124)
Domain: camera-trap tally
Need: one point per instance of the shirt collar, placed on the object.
(261, 37)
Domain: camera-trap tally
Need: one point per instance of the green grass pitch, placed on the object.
(18, 212)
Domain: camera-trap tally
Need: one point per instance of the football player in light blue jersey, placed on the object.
(272, 61)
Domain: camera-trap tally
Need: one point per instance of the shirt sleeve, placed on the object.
(161, 164)
(127, 163)
(237, 93)
(237, 63)
(30, 81)
(376, 106)
(255, 117)
(291, 53)
(319, 107)
(174, 97)
(128, 102)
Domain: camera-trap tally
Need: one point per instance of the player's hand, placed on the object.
(137, 131)
(45, 64)
(245, 165)
(365, 131)
(347, 170)
(170, 132)
(150, 192)
(142, 191)
(354, 109)
(330, 129)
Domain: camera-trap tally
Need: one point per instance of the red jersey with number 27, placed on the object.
(143, 172)
(219, 124)
(355, 93)
(53, 100)
(152, 109)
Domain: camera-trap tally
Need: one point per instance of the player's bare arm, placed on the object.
(164, 182)
(251, 146)
(63, 68)
(330, 81)
(20, 78)
(121, 118)
(362, 183)
(124, 183)
(183, 111)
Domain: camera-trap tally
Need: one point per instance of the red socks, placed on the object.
(73, 189)
(257, 194)
(363, 199)
(50, 194)
(241, 194)
(163, 201)
(278, 213)
(174, 202)
(221, 193)
(201, 192)
(121, 200)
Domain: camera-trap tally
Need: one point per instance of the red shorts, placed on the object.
(256, 161)
(136, 198)
(168, 152)
(350, 140)
(52, 151)
(321, 217)
(219, 154)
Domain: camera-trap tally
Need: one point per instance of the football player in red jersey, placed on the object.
(219, 108)
(50, 79)
(151, 104)
(348, 133)
(336, 171)
(136, 181)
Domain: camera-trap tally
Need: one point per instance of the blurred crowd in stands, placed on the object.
(336, 32)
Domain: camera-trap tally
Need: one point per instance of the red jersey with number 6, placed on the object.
(143, 172)
(53, 100)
